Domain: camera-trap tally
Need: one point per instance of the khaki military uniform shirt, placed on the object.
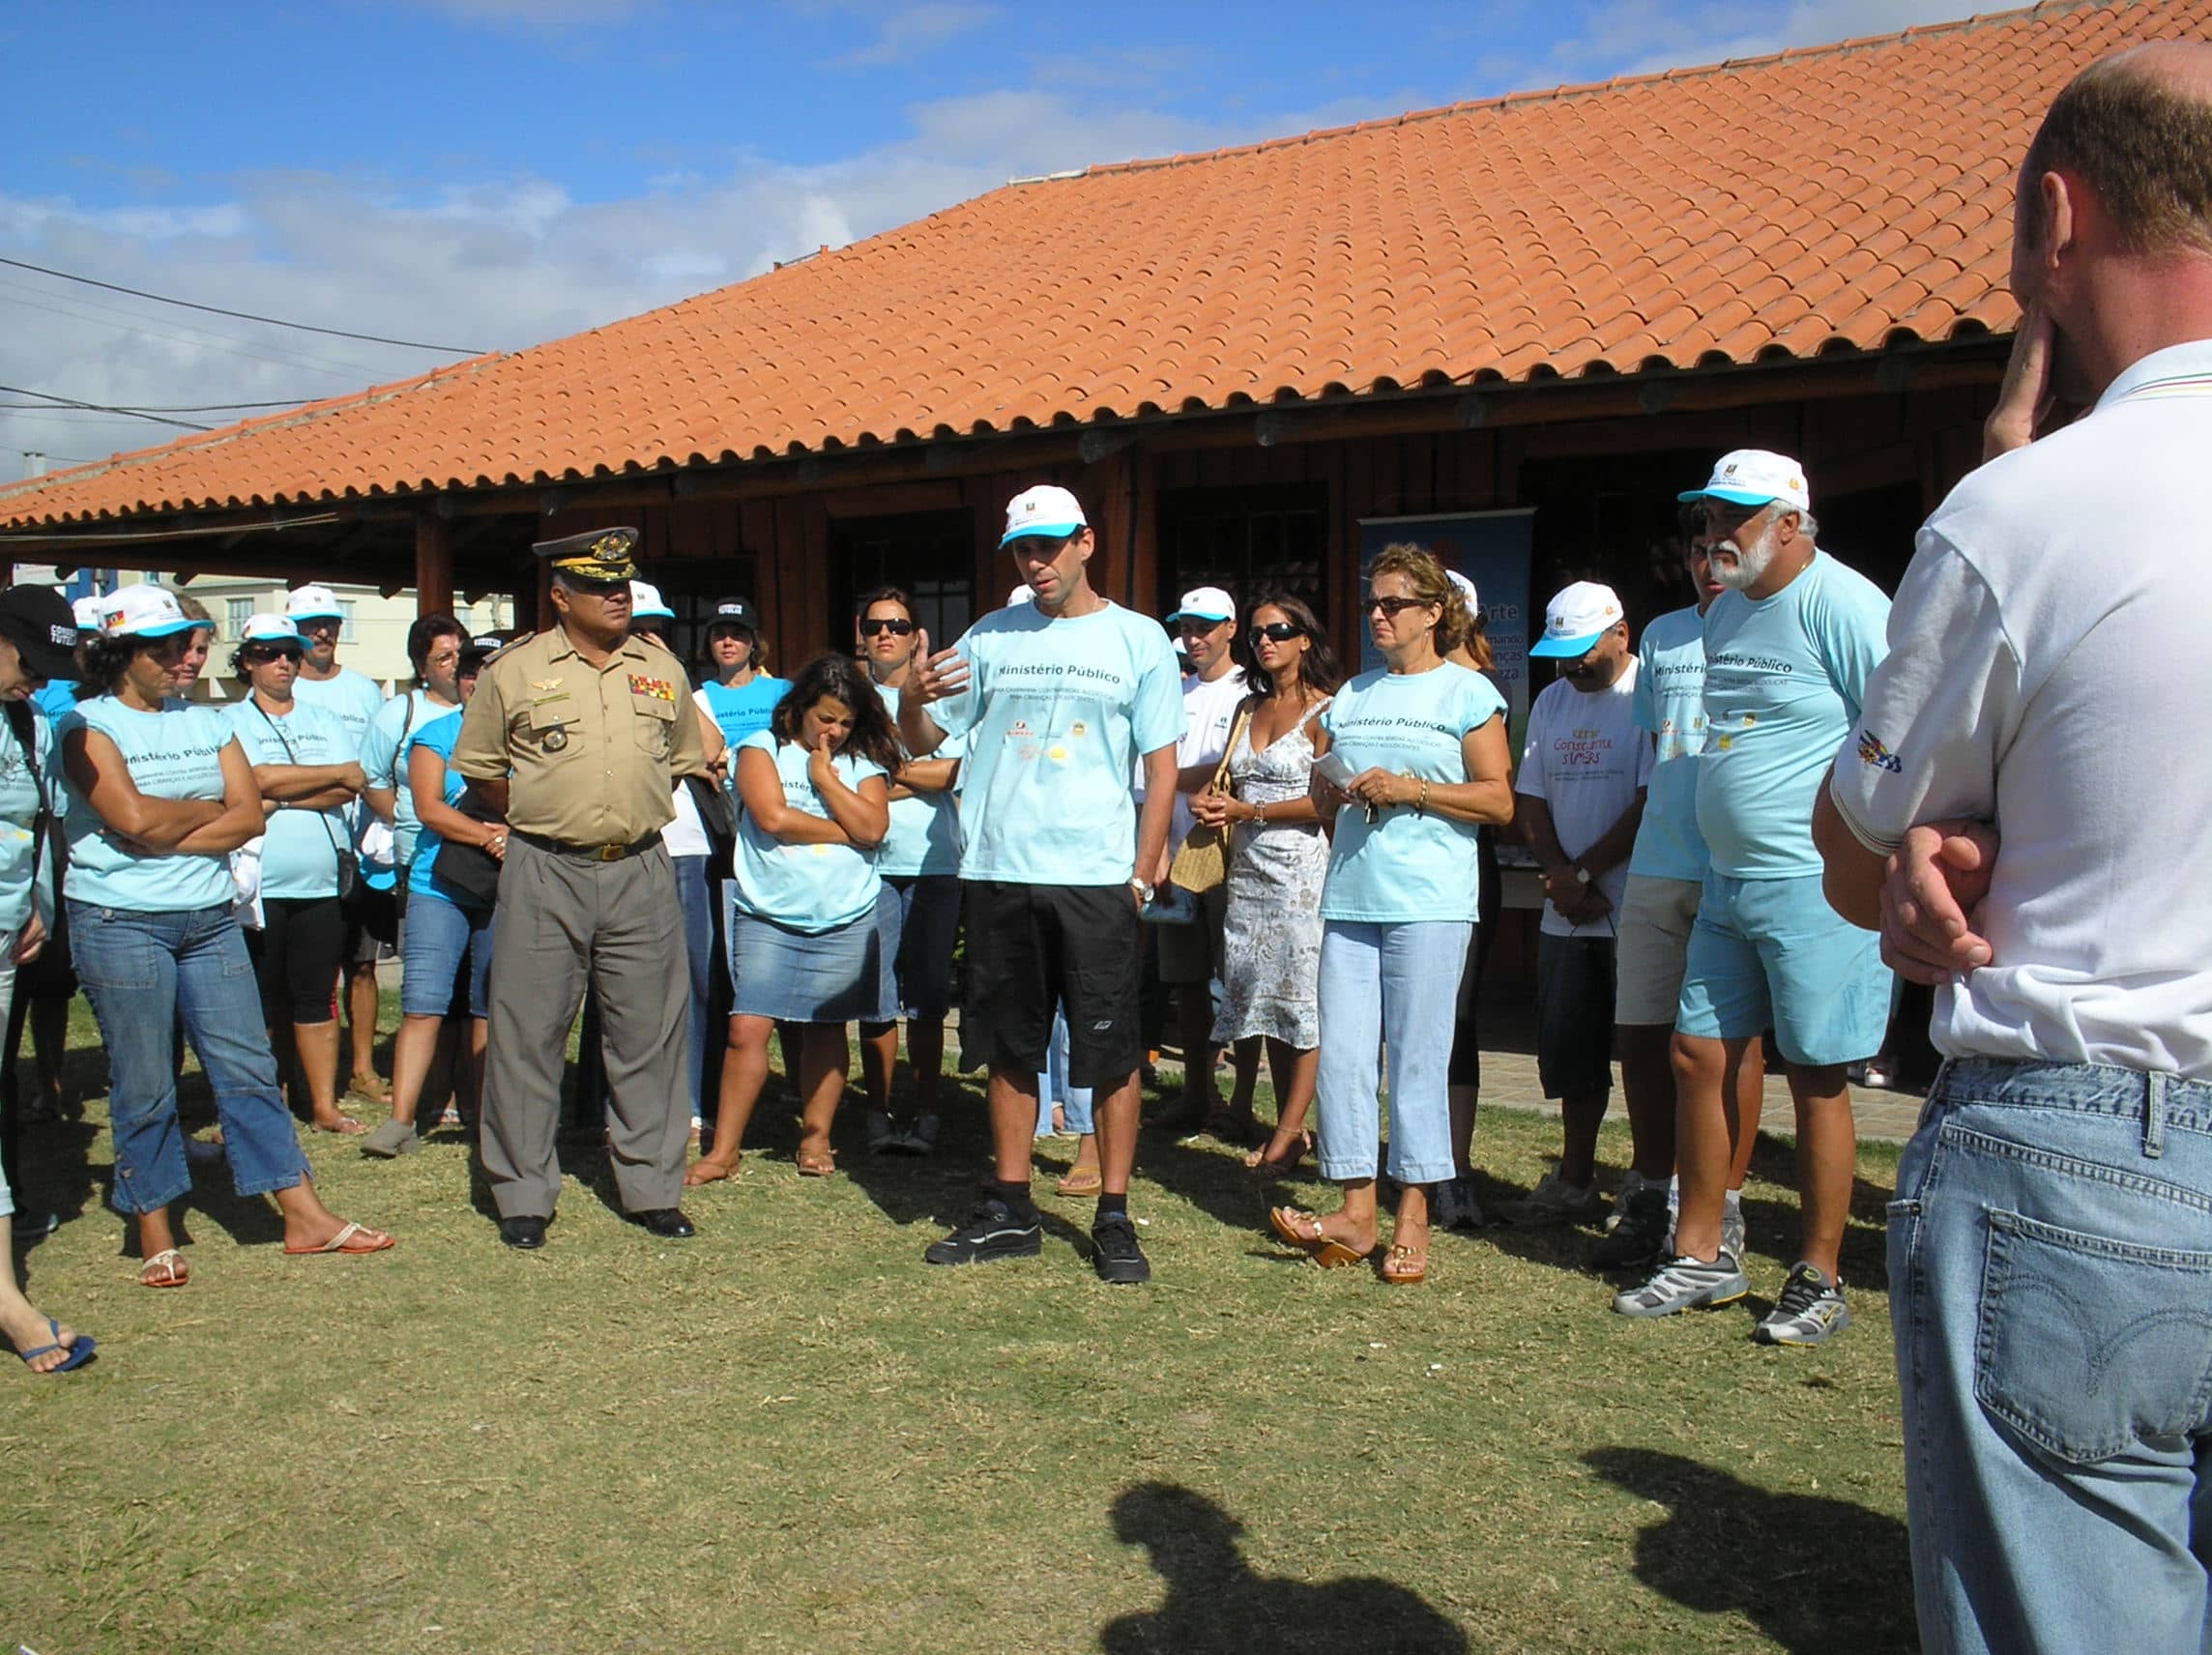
(590, 754)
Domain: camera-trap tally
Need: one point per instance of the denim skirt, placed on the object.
(803, 976)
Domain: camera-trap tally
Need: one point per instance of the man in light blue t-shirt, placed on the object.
(1789, 648)
(372, 925)
(1059, 698)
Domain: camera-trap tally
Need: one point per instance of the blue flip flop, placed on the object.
(79, 1353)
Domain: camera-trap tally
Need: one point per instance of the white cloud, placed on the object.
(915, 31)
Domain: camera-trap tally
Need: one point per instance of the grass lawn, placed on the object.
(790, 1433)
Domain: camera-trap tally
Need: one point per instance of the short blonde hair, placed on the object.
(1431, 584)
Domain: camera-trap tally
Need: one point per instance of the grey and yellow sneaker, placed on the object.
(1732, 1233)
(1810, 1310)
(1685, 1284)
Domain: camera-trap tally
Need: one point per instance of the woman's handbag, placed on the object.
(1202, 861)
(469, 869)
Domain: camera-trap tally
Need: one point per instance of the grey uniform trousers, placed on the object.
(563, 918)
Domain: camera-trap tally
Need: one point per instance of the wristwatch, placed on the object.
(1143, 888)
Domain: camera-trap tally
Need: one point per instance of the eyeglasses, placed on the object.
(896, 628)
(1392, 607)
(262, 657)
(1275, 631)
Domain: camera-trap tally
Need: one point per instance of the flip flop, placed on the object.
(175, 1271)
(347, 1127)
(1079, 1181)
(351, 1238)
(1327, 1254)
(1403, 1267)
(79, 1353)
(815, 1164)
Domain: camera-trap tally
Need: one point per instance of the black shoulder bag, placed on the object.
(349, 864)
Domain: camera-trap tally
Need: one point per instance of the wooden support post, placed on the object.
(433, 565)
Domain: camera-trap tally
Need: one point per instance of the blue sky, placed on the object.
(491, 173)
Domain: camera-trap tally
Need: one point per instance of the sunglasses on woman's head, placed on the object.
(1391, 607)
(896, 628)
(1278, 631)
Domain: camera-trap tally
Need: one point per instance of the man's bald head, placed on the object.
(2136, 130)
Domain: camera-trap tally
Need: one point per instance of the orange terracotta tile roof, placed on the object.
(1840, 197)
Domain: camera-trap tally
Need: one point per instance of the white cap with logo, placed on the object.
(1046, 510)
(145, 612)
(270, 629)
(647, 604)
(1465, 590)
(1755, 476)
(87, 612)
(1205, 603)
(314, 604)
(1578, 618)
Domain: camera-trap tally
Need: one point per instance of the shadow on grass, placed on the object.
(1217, 1604)
(1816, 1575)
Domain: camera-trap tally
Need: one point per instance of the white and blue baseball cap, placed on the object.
(1047, 510)
(1205, 603)
(272, 629)
(314, 604)
(145, 612)
(647, 604)
(1755, 476)
(1578, 618)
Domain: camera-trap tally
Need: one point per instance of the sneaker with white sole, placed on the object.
(1685, 1284)
(1554, 1201)
(1810, 1310)
(992, 1232)
(1731, 1227)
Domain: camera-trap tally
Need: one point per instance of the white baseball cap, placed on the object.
(646, 602)
(1755, 476)
(1205, 603)
(87, 612)
(270, 629)
(1577, 619)
(314, 604)
(1046, 510)
(1465, 590)
(1019, 594)
(145, 612)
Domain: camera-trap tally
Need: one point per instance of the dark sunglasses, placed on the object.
(1276, 631)
(262, 657)
(1392, 607)
(896, 628)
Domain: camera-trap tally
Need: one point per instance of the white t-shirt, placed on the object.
(2048, 670)
(1208, 711)
(1586, 758)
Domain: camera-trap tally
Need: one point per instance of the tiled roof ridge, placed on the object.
(300, 414)
(1567, 91)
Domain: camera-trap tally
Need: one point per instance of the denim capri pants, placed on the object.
(440, 938)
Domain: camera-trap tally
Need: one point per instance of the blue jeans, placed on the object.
(1053, 1087)
(2050, 1292)
(142, 970)
(440, 936)
(695, 901)
(1395, 984)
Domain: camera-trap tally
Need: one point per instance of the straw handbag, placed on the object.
(1202, 861)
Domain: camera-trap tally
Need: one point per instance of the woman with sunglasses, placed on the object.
(160, 793)
(1278, 856)
(1411, 761)
(446, 940)
(305, 767)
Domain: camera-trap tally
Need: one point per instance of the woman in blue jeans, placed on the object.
(1419, 749)
(160, 793)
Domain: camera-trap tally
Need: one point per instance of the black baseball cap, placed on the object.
(41, 626)
(734, 612)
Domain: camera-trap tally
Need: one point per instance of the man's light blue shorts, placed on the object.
(1772, 952)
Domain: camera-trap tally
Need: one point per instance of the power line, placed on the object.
(184, 407)
(102, 408)
(241, 315)
(179, 331)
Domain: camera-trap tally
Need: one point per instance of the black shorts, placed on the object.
(1574, 1016)
(1032, 946)
(372, 926)
(296, 957)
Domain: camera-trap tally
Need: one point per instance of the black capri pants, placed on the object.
(296, 957)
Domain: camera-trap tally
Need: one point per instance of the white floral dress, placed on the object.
(1271, 935)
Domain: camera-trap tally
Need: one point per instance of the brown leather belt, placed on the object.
(589, 852)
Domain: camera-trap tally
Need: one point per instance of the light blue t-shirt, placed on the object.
(1671, 703)
(438, 735)
(395, 723)
(1405, 866)
(807, 887)
(1785, 679)
(175, 753)
(744, 709)
(298, 847)
(20, 778)
(924, 837)
(351, 697)
(1057, 713)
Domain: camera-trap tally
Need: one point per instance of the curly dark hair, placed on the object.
(105, 657)
(427, 630)
(1320, 675)
(840, 678)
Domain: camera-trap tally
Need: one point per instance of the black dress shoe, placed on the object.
(666, 1222)
(526, 1232)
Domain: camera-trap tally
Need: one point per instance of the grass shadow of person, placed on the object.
(1829, 1575)
(1217, 1605)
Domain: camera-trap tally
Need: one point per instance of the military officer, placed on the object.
(576, 735)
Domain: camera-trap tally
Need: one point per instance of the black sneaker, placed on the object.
(1637, 1241)
(1113, 1251)
(992, 1232)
